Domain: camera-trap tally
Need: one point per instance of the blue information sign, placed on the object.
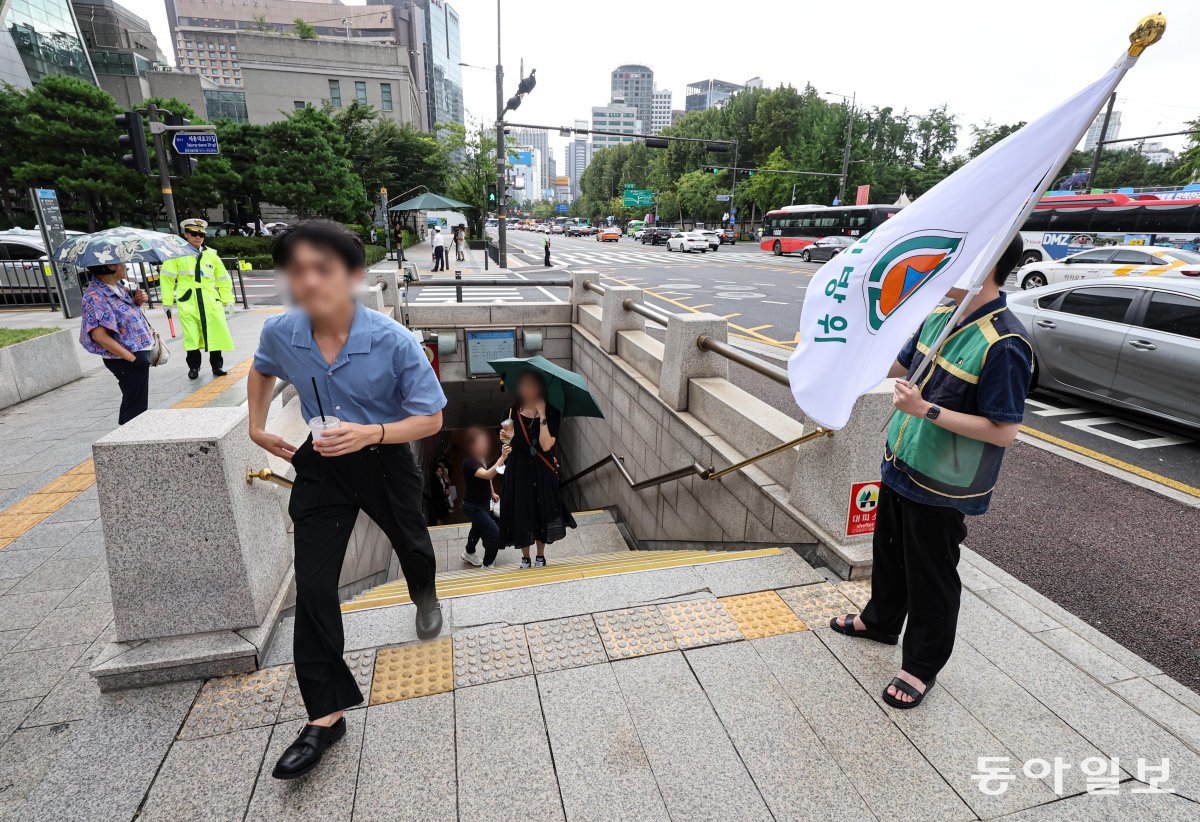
(561, 208)
(191, 142)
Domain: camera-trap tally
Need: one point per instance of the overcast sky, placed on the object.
(987, 60)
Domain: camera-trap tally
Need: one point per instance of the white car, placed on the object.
(1111, 261)
(713, 237)
(688, 241)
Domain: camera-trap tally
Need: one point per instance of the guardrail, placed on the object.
(737, 355)
(26, 283)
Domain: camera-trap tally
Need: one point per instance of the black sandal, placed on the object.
(900, 685)
(847, 628)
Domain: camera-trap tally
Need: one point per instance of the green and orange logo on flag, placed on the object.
(901, 271)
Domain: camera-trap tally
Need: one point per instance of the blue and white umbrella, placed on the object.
(121, 245)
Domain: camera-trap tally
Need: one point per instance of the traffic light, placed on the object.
(134, 142)
(711, 170)
(181, 164)
(491, 197)
(718, 145)
(657, 142)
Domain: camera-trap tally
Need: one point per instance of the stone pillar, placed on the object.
(580, 295)
(827, 467)
(391, 286)
(198, 559)
(616, 318)
(683, 361)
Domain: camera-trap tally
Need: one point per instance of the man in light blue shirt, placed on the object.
(368, 390)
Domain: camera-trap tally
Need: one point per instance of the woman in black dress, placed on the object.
(531, 507)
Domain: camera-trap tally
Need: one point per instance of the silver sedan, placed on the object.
(1133, 344)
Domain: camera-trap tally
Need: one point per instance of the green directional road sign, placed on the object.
(630, 185)
(638, 198)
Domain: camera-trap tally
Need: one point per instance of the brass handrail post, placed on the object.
(267, 475)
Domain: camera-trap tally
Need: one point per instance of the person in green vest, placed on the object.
(200, 287)
(941, 461)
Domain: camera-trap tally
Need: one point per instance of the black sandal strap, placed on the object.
(900, 685)
(848, 624)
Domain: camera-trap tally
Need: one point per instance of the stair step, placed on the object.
(453, 584)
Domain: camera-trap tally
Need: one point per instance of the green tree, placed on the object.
(386, 153)
(212, 178)
(473, 166)
(12, 108)
(241, 145)
(260, 22)
(304, 167)
(303, 30)
(987, 134)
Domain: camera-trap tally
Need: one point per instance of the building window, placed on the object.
(335, 93)
(204, 62)
(360, 91)
(297, 104)
(385, 96)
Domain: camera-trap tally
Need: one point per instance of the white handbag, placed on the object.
(159, 354)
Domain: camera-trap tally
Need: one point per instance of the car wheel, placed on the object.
(804, 255)
(1030, 257)
(1034, 279)
(777, 249)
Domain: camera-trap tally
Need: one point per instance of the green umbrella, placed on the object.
(430, 202)
(565, 390)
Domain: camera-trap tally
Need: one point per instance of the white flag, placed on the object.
(863, 305)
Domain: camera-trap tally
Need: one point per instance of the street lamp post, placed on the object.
(501, 198)
(849, 134)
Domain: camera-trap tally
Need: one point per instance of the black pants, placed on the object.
(215, 358)
(439, 258)
(915, 574)
(134, 381)
(383, 481)
(483, 527)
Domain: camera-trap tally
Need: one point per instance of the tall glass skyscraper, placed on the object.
(442, 55)
(47, 39)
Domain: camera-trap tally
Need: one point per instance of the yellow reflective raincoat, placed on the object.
(200, 287)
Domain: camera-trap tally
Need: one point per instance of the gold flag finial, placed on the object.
(1148, 32)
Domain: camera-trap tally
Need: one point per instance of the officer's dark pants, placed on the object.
(916, 575)
(215, 358)
(383, 481)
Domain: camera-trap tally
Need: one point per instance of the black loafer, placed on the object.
(304, 754)
(219, 372)
(429, 620)
(193, 373)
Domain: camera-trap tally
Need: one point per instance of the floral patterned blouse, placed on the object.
(104, 307)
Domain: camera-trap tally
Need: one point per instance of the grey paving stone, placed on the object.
(744, 576)
(20, 564)
(10, 638)
(675, 721)
(387, 626)
(27, 610)
(794, 772)
(1085, 656)
(1176, 689)
(24, 759)
(975, 579)
(501, 722)
(86, 544)
(603, 772)
(57, 575)
(113, 755)
(12, 714)
(889, 773)
(1123, 807)
(35, 673)
(207, 779)
(94, 590)
(946, 734)
(1017, 719)
(1018, 610)
(325, 793)
(68, 626)
(1163, 708)
(420, 734)
(6, 584)
(1099, 715)
(490, 655)
(634, 632)
(71, 699)
(76, 510)
(559, 644)
(279, 652)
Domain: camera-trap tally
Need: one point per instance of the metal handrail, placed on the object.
(647, 311)
(771, 372)
(267, 475)
(489, 283)
(588, 285)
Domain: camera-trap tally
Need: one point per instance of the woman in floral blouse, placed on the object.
(115, 328)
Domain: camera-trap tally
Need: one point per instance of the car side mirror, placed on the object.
(1067, 261)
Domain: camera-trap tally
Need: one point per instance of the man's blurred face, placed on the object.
(320, 282)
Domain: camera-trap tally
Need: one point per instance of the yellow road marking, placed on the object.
(731, 316)
(760, 327)
(1113, 461)
(706, 305)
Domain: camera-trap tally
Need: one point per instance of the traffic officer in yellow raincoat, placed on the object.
(200, 287)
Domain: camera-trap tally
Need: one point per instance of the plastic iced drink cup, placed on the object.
(506, 431)
(320, 426)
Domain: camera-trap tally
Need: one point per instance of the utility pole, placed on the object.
(1112, 101)
(846, 151)
(733, 191)
(164, 174)
(501, 139)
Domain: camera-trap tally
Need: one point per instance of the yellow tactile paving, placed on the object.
(88, 466)
(234, 702)
(208, 392)
(13, 525)
(410, 671)
(817, 604)
(69, 483)
(762, 614)
(697, 622)
(41, 503)
(476, 581)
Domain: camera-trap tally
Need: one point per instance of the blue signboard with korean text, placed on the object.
(188, 142)
(561, 208)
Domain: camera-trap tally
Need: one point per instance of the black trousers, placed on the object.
(133, 378)
(385, 482)
(483, 527)
(439, 258)
(215, 358)
(915, 575)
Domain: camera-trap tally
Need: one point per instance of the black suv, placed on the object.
(658, 235)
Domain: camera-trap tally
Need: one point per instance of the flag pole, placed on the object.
(1149, 31)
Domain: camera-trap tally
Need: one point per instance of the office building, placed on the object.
(442, 53)
(578, 156)
(539, 139)
(705, 94)
(615, 116)
(1157, 153)
(660, 112)
(108, 25)
(39, 38)
(634, 86)
(1093, 132)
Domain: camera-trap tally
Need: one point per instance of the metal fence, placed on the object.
(26, 284)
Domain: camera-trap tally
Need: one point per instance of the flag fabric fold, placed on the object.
(863, 305)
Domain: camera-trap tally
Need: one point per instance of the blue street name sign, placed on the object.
(561, 208)
(186, 142)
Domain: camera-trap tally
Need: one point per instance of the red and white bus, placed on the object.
(1065, 224)
(791, 228)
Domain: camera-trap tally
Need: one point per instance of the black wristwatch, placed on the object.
(934, 412)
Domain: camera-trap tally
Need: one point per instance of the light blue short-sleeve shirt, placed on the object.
(380, 375)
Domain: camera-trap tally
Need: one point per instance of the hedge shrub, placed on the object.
(263, 262)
